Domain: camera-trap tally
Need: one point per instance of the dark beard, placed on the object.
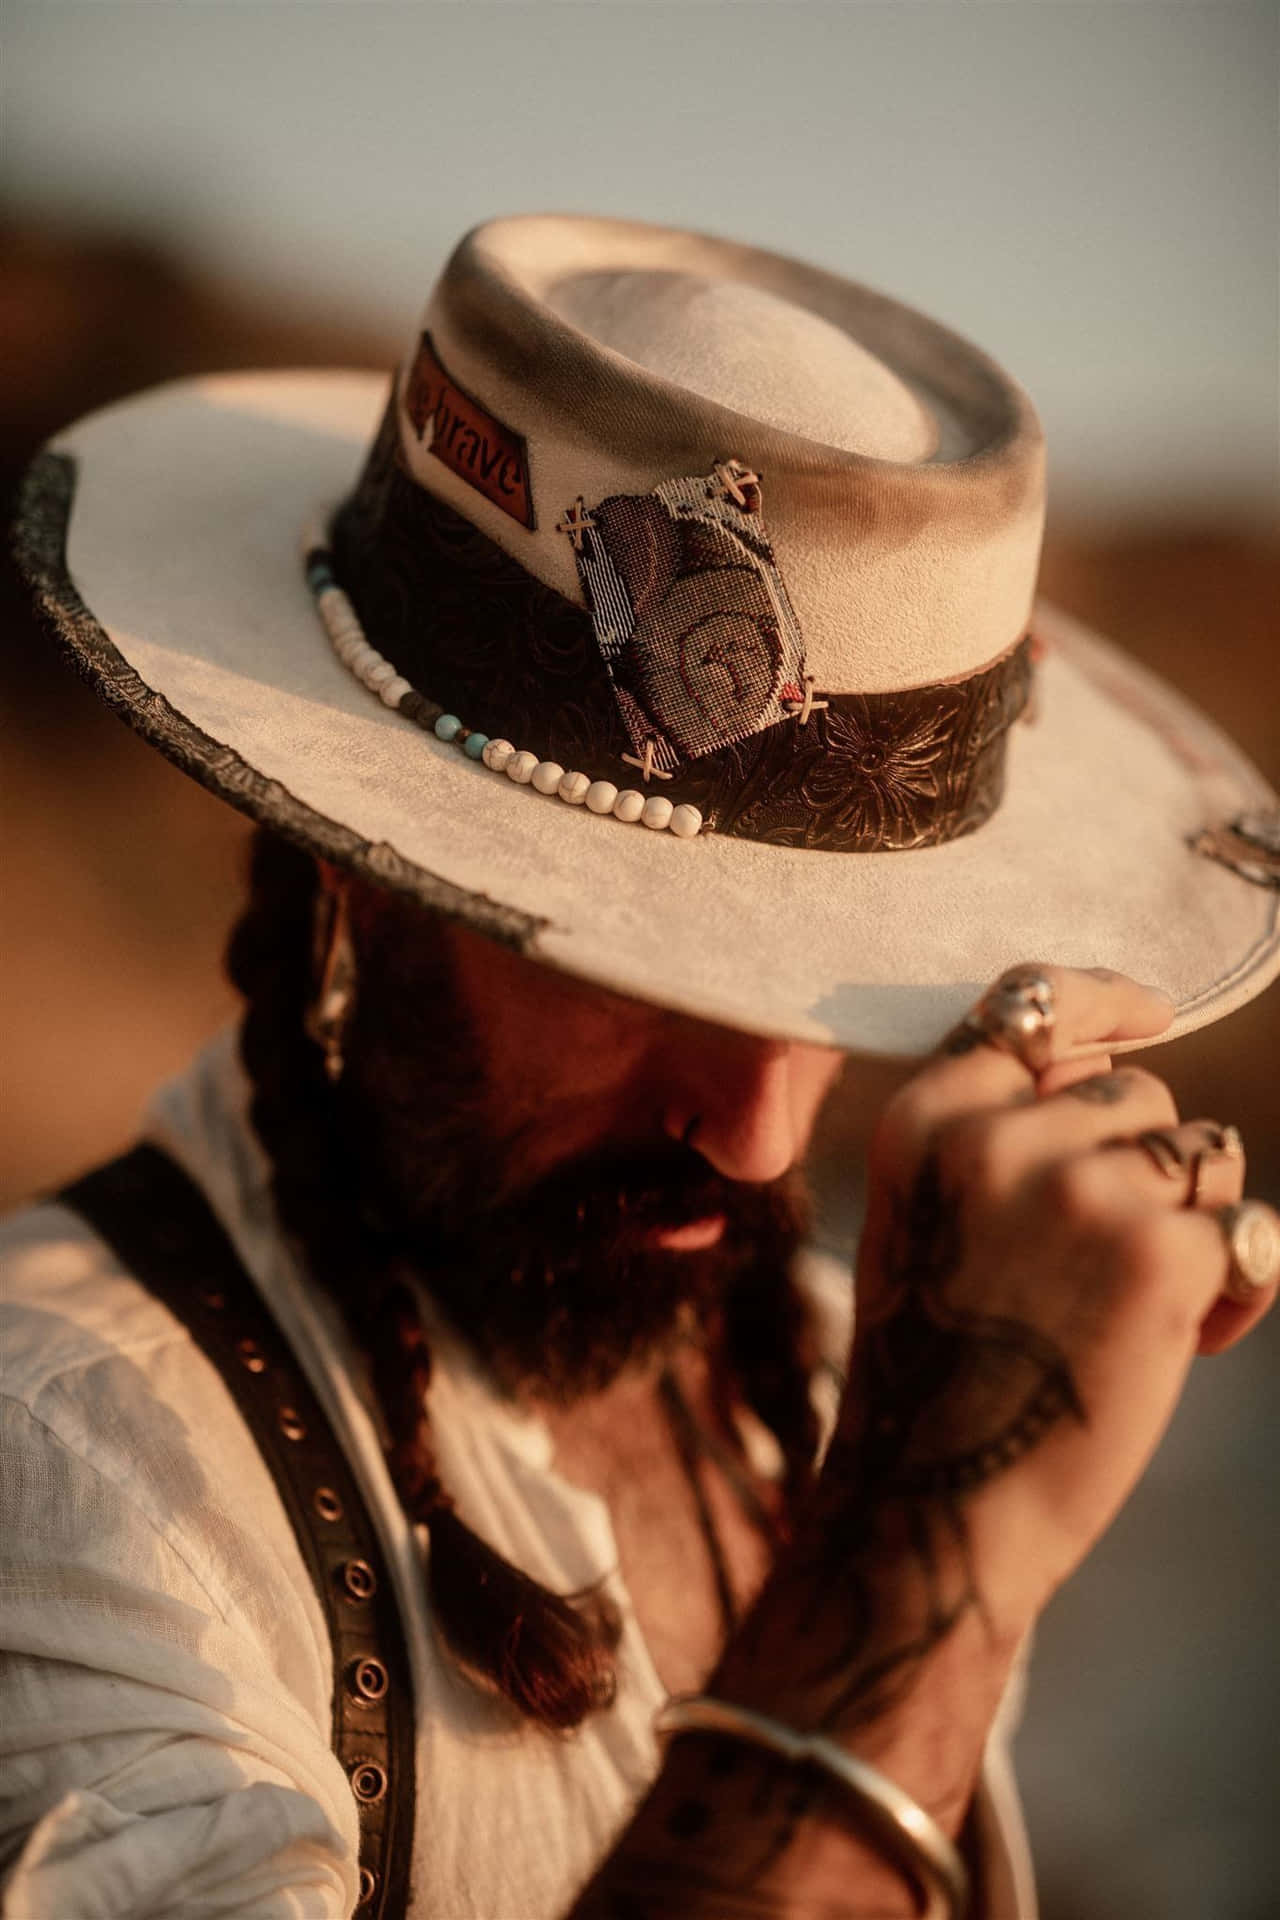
(552, 1282)
(560, 1288)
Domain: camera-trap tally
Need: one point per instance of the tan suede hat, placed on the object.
(673, 621)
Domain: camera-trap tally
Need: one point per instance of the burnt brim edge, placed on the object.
(39, 540)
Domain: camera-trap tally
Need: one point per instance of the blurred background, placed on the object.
(1089, 190)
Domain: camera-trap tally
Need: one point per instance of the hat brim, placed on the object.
(162, 535)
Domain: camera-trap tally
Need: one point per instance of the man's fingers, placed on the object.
(1092, 1007)
(969, 1071)
(1227, 1321)
(1198, 1164)
(1065, 1073)
(1012, 1142)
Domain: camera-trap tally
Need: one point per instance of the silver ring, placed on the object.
(1018, 1015)
(1252, 1233)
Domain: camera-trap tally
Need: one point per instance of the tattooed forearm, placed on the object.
(657, 1893)
(878, 1590)
(947, 1399)
(700, 1847)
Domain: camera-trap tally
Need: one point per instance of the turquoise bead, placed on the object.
(448, 726)
(474, 745)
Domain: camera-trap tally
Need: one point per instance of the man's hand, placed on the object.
(1032, 1286)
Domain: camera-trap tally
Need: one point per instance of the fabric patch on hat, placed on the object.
(690, 613)
(463, 434)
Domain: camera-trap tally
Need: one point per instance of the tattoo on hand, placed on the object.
(723, 1815)
(927, 1371)
(1103, 1090)
(964, 1039)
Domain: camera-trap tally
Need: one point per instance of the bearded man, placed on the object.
(441, 1482)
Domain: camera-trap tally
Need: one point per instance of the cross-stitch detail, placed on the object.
(690, 612)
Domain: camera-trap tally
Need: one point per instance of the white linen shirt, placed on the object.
(166, 1678)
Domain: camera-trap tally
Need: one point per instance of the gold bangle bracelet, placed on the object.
(913, 1837)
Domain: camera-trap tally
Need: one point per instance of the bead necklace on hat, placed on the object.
(347, 637)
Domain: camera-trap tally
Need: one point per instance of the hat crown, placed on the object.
(902, 471)
(754, 352)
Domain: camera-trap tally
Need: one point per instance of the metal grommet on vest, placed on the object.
(164, 1232)
(358, 1580)
(367, 1680)
(368, 1781)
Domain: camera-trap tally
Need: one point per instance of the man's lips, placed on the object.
(691, 1237)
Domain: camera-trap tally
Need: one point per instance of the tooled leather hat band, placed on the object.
(844, 772)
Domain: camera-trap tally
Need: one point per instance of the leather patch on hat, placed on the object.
(464, 435)
(690, 613)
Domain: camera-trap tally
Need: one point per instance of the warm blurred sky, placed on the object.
(1091, 189)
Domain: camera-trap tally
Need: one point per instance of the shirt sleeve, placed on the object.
(164, 1668)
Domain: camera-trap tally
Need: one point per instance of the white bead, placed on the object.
(520, 768)
(379, 675)
(547, 776)
(344, 646)
(363, 656)
(573, 788)
(685, 822)
(368, 672)
(496, 754)
(657, 811)
(601, 795)
(629, 805)
(330, 601)
(394, 691)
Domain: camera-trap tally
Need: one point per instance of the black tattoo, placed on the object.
(1103, 1090)
(926, 1370)
(963, 1039)
(689, 1819)
(893, 1494)
(652, 1891)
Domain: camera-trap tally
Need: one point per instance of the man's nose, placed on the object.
(748, 1106)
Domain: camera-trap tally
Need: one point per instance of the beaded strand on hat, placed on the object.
(347, 637)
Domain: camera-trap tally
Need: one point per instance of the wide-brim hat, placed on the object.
(672, 620)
